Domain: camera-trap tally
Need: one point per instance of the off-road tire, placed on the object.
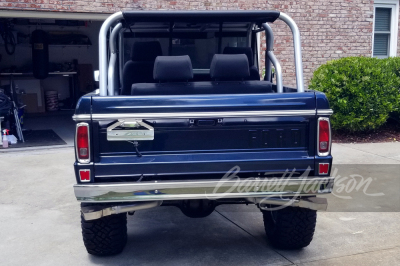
(105, 236)
(290, 227)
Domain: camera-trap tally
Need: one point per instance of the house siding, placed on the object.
(330, 29)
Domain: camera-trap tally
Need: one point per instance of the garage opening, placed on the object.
(38, 94)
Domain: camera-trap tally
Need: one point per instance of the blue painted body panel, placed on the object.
(203, 163)
(84, 105)
(194, 103)
(255, 144)
(321, 100)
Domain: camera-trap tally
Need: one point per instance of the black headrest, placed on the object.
(146, 51)
(241, 50)
(173, 68)
(229, 67)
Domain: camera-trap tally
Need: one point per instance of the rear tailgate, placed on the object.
(206, 134)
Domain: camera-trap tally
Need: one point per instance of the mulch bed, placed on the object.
(390, 132)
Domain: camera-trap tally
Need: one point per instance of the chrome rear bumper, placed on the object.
(202, 189)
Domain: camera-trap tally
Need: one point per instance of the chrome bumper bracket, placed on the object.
(93, 212)
(312, 203)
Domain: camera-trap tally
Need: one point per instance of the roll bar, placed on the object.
(108, 76)
(103, 58)
(270, 47)
(297, 50)
(278, 71)
(271, 58)
(112, 68)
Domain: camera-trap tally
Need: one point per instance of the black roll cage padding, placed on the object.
(220, 37)
(256, 16)
(171, 28)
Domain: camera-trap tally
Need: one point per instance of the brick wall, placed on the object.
(330, 28)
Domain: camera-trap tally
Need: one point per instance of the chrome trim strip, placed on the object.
(82, 161)
(206, 114)
(323, 154)
(81, 117)
(325, 112)
(202, 189)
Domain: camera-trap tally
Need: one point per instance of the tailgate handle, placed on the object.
(205, 122)
(130, 130)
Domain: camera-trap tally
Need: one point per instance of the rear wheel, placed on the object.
(105, 236)
(290, 228)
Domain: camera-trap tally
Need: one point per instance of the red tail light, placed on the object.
(323, 168)
(82, 143)
(84, 175)
(324, 136)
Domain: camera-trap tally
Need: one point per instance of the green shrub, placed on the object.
(362, 91)
(394, 66)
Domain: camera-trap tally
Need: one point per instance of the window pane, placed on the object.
(381, 44)
(382, 19)
(128, 44)
(200, 51)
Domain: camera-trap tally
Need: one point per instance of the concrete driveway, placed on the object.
(40, 223)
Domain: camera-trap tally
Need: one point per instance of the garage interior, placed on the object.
(44, 105)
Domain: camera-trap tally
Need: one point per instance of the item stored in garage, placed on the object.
(5, 139)
(40, 54)
(51, 100)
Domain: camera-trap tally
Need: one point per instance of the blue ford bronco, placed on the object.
(183, 118)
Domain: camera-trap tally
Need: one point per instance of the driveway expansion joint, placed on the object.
(292, 263)
(385, 157)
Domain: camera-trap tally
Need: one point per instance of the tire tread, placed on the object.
(294, 228)
(105, 236)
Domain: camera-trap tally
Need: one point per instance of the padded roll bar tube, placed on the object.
(297, 50)
(103, 64)
(270, 47)
(120, 54)
(278, 71)
(112, 68)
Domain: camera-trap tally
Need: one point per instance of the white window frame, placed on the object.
(394, 25)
